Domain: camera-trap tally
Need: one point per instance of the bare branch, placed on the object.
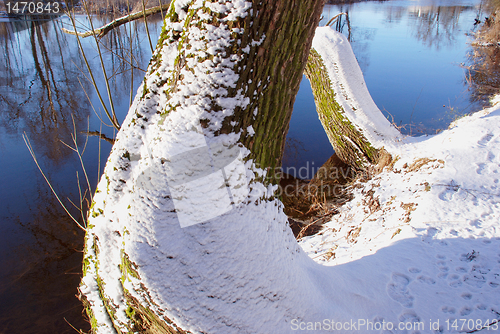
(101, 32)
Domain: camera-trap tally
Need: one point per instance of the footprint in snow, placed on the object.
(414, 270)
(465, 311)
(475, 279)
(431, 232)
(481, 307)
(426, 280)
(397, 289)
(442, 266)
(409, 316)
(486, 139)
(443, 275)
(466, 296)
(490, 157)
(447, 195)
(480, 168)
(448, 309)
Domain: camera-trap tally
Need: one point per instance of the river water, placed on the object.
(410, 53)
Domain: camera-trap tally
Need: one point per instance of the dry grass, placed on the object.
(421, 162)
(483, 68)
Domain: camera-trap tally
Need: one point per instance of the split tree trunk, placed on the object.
(223, 76)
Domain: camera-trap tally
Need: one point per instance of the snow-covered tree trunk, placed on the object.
(184, 232)
(355, 126)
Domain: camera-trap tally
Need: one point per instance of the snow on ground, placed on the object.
(431, 224)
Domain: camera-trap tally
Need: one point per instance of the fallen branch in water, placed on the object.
(100, 32)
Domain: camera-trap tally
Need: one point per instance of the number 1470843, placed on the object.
(33, 7)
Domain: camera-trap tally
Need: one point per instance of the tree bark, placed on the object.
(357, 130)
(347, 141)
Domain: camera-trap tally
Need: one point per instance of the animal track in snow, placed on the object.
(397, 289)
(414, 270)
(465, 311)
(486, 139)
(480, 168)
(450, 310)
(466, 296)
(426, 279)
(409, 316)
(481, 307)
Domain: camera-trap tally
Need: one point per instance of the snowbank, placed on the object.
(428, 230)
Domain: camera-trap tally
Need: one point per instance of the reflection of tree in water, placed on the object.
(42, 273)
(40, 88)
(293, 150)
(42, 73)
(436, 26)
(116, 8)
(483, 72)
(359, 37)
(394, 14)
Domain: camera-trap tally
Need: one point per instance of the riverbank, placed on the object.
(433, 232)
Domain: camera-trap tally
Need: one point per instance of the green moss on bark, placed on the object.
(348, 142)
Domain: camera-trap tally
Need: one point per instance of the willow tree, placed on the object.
(184, 232)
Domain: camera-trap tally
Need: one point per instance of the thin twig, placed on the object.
(114, 119)
(117, 126)
(28, 144)
(333, 18)
(146, 25)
